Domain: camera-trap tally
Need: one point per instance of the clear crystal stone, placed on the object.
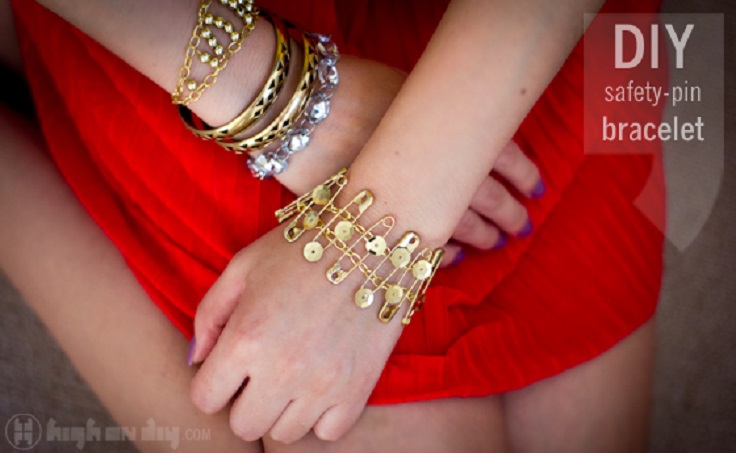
(265, 166)
(295, 141)
(206, 33)
(327, 90)
(257, 166)
(328, 73)
(321, 38)
(328, 49)
(318, 108)
(280, 154)
(279, 166)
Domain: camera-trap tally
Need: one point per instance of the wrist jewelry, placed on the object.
(265, 99)
(291, 131)
(189, 90)
(298, 136)
(401, 273)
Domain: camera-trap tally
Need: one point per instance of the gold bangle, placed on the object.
(291, 113)
(399, 264)
(262, 103)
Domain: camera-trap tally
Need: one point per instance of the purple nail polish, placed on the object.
(526, 231)
(458, 258)
(190, 355)
(502, 240)
(538, 189)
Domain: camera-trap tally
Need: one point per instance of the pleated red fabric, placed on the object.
(179, 208)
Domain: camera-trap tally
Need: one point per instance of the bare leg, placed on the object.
(78, 283)
(600, 406)
(437, 426)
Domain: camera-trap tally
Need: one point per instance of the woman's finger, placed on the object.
(216, 308)
(476, 231)
(257, 408)
(296, 421)
(515, 167)
(493, 202)
(337, 420)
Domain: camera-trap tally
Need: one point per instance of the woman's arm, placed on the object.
(151, 37)
(483, 70)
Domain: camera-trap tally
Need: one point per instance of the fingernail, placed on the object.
(502, 240)
(190, 355)
(538, 190)
(458, 258)
(526, 231)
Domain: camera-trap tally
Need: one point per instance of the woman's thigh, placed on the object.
(436, 426)
(79, 285)
(600, 406)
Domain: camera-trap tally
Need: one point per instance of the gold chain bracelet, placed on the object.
(265, 99)
(189, 90)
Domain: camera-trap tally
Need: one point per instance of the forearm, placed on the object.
(152, 37)
(486, 65)
(155, 36)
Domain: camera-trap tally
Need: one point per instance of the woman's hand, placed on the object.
(292, 349)
(366, 90)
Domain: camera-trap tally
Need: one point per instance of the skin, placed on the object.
(73, 310)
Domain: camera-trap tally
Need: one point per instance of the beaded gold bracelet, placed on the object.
(189, 90)
(401, 274)
(265, 99)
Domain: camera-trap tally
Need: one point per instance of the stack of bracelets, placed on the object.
(290, 132)
(399, 274)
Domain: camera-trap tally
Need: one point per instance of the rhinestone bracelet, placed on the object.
(274, 162)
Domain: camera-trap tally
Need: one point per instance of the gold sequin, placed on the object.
(394, 294)
(313, 251)
(400, 258)
(421, 269)
(364, 298)
(344, 230)
(321, 195)
(311, 219)
(376, 245)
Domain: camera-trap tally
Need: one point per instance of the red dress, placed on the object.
(178, 208)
